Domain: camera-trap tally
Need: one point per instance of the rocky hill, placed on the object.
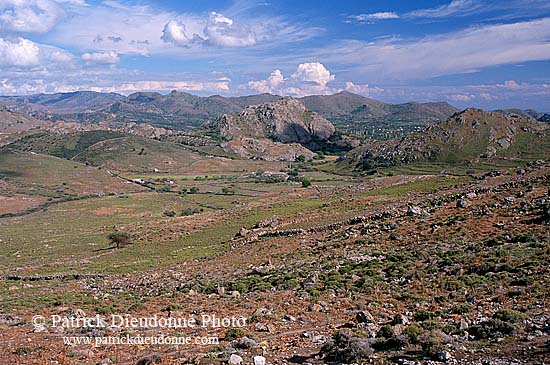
(286, 120)
(13, 125)
(356, 107)
(467, 136)
(278, 130)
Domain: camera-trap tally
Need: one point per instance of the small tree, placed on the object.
(120, 239)
(301, 158)
(306, 183)
(193, 190)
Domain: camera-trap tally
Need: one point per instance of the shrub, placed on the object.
(432, 343)
(413, 332)
(169, 213)
(509, 315)
(191, 211)
(461, 308)
(492, 328)
(385, 332)
(423, 315)
(120, 238)
(233, 334)
(345, 348)
(306, 183)
(193, 190)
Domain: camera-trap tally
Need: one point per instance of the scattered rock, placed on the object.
(245, 343)
(259, 360)
(364, 317)
(462, 204)
(260, 327)
(314, 307)
(235, 359)
(414, 210)
(444, 356)
(150, 359)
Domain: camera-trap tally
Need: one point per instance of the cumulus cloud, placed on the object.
(21, 53)
(29, 16)
(511, 84)
(309, 78)
(363, 89)
(100, 58)
(268, 85)
(313, 72)
(174, 32)
(219, 30)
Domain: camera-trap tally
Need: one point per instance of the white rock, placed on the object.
(235, 360)
(259, 360)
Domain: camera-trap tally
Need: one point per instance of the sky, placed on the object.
(471, 53)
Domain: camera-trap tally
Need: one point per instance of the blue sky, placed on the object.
(482, 53)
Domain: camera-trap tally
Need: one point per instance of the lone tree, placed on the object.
(120, 239)
(306, 183)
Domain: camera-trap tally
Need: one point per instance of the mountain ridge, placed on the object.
(183, 107)
(469, 135)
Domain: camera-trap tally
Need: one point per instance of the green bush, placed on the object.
(120, 238)
(234, 333)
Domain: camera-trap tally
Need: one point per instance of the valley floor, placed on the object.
(398, 269)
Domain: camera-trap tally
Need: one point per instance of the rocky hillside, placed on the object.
(468, 136)
(286, 120)
(13, 125)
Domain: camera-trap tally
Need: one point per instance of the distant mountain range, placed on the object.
(187, 109)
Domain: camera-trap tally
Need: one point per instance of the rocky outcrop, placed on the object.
(286, 120)
(281, 130)
(265, 149)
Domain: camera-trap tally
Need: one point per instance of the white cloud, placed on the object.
(174, 32)
(222, 31)
(268, 85)
(218, 30)
(149, 85)
(145, 30)
(313, 72)
(21, 53)
(308, 79)
(100, 58)
(451, 53)
(60, 56)
(461, 97)
(454, 8)
(511, 84)
(29, 16)
(374, 16)
(363, 89)
(487, 96)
